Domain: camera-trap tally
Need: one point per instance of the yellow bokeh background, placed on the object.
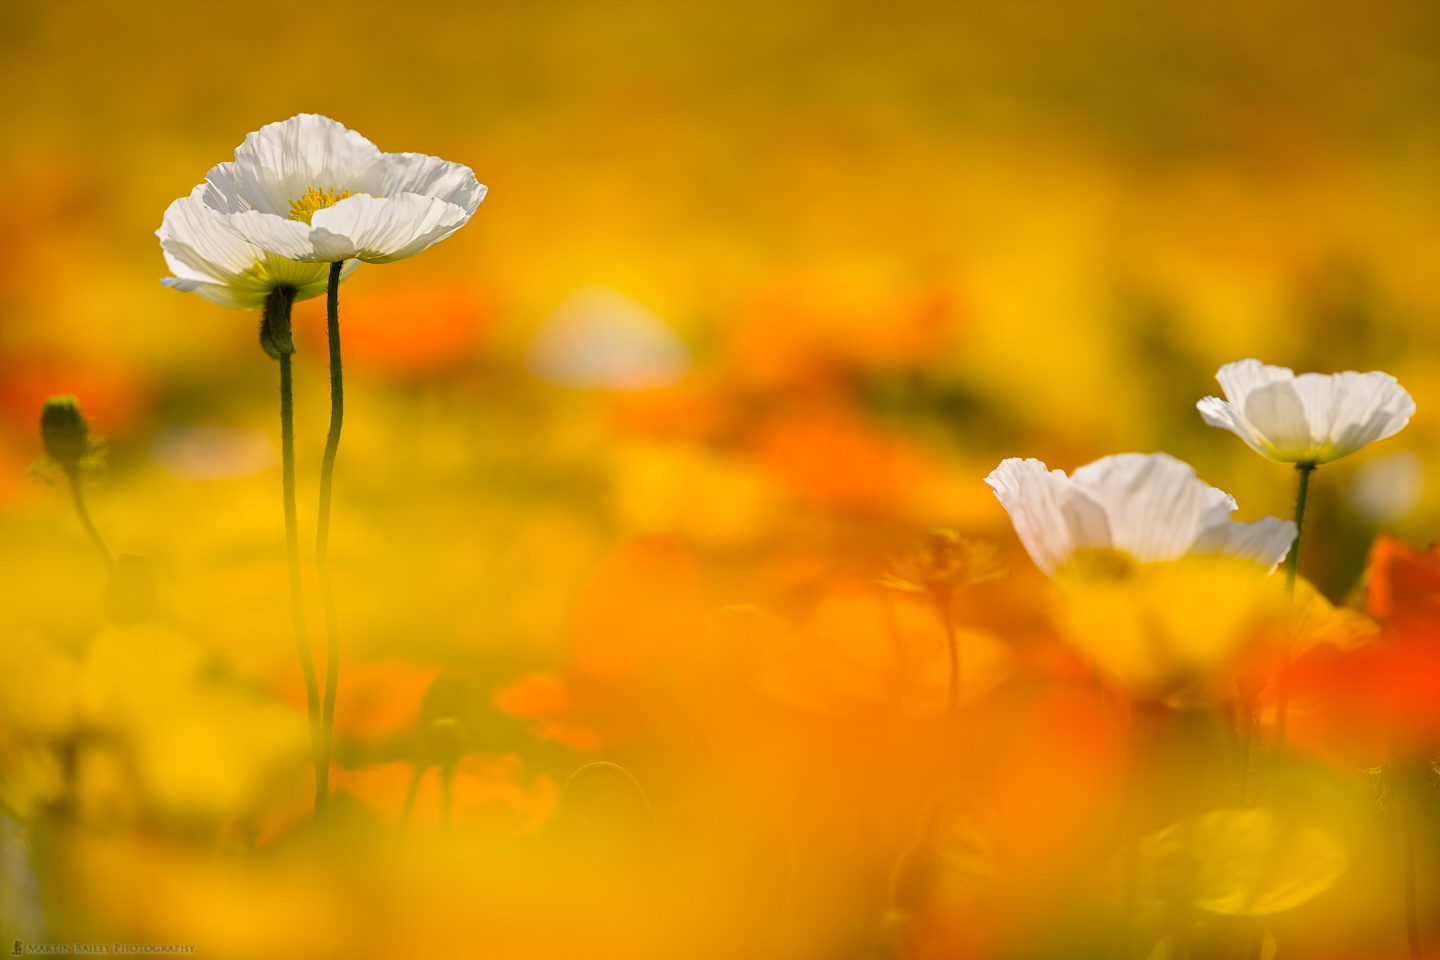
(892, 245)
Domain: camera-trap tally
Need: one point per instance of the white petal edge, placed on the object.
(198, 246)
(1155, 503)
(288, 238)
(432, 177)
(1265, 541)
(278, 163)
(1050, 515)
(1242, 377)
(209, 259)
(1312, 417)
(383, 229)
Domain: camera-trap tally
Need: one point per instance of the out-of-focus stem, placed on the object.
(292, 549)
(447, 795)
(73, 476)
(276, 340)
(1292, 566)
(410, 793)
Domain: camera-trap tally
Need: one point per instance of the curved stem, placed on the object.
(1292, 566)
(292, 549)
(73, 475)
(322, 525)
(410, 793)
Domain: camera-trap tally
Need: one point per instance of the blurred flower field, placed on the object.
(675, 617)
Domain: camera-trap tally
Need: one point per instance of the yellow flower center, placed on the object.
(315, 199)
(1100, 564)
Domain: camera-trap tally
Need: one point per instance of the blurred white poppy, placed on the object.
(600, 338)
(1148, 507)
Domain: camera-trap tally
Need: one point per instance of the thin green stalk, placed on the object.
(322, 526)
(73, 475)
(292, 549)
(275, 338)
(1292, 566)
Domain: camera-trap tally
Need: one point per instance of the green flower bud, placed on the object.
(444, 736)
(275, 337)
(65, 431)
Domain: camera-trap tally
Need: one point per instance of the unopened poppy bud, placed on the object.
(65, 431)
(445, 741)
(275, 337)
(445, 736)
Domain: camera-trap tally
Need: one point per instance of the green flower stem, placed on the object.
(1292, 566)
(276, 340)
(73, 476)
(322, 526)
(1292, 563)
(292, 549)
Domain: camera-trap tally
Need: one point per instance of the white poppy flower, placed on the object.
(1310, 419)
(210, 259)
(311, 190)
(1151, 507)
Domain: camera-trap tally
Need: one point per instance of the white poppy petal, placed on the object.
(1156, 505)
(219, 293)
(222, 191)
(1278, 416)
(1051, 517)
(279, 235)
(210, 259)
(432, 177)
(1243, 377)
(1369, 407)
(1150, 506)
(278, 163)
(1221, 413)
(1265, 541)
(383, 229)
(198, 246)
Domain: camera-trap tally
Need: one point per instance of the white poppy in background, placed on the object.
(601, 339)
(1148, 507)
(311, 190)
(209, 259)
(1310, 419)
